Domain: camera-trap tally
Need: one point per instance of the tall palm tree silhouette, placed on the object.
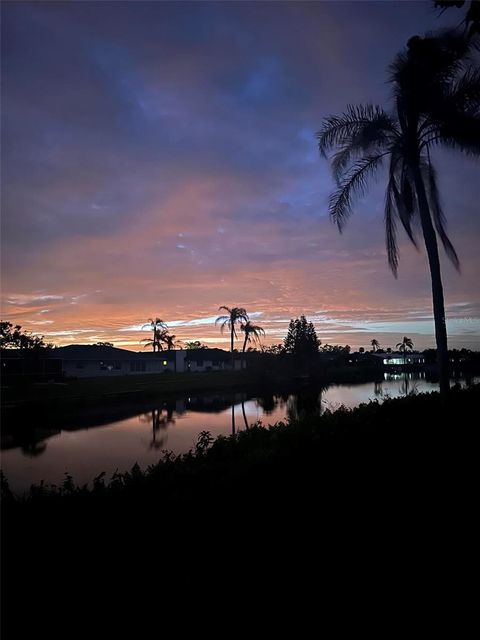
(157, 325)
(436, 88)
(234, 315)
(406, 343)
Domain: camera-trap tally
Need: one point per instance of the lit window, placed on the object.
(164, 363)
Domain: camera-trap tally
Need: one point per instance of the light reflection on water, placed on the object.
(86, 446)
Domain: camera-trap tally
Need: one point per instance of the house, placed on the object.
(82, 361)
(88, 361)
(91, 361)
(212, 360)
(398, 360)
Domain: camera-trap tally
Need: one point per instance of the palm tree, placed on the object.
(234, 315)
(406, 343)
(156, 325)
(167, 339)
(195, 344)
(252, 333)
(375, 345)
(437, 101)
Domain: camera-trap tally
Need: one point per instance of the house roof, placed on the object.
(96, 352)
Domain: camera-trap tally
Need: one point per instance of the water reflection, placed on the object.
(160, 419)
(88, 440)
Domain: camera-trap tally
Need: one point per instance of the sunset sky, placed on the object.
(159, 159)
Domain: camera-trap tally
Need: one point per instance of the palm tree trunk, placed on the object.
(231, 346)
(243, 350)
(244, 415)
(431, 246)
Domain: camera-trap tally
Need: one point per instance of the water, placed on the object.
(88, 442)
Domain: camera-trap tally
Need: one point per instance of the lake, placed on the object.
(93, 440)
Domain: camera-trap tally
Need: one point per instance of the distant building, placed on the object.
(88, 361)
(397, 359)
(91, 361)
(211, 360)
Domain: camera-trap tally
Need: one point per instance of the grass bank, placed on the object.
(377, 492)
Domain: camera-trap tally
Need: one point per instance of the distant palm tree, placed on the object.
(375, 345)
(252, 333)
(195, 344)
(156, 325)
(436, 89)
(406, 343)
(167, 339)
(234, 315)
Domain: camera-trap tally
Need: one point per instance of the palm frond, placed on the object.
(355, 183)
(437, 212)
(372, 137)
(404, 198)
(422, 72)
(225, 322)
(391, 229)
(341, 130)
(465, 92)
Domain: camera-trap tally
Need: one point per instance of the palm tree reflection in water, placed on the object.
(159, 422)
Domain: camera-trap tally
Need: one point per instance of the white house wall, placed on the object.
(95, 369)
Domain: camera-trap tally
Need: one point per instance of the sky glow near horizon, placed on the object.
(159, 160)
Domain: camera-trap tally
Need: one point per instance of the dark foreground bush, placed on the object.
(357, 501)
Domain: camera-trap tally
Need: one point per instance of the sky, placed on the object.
(159, 160)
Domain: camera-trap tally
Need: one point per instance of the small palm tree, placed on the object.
(234, 315)
(194, 344)
(156, 325)
(167, 339)
(155, 342)
(406, 343)
(375, 345)
(436, 89)
(252, 333)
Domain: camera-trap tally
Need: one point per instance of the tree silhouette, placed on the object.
(252, 333)
(167, 339)
(472, 17)
(13, 337)
(301, 338)
(195, 344)
(437, 102)
(375, 345)
(234, 315)
(406, 343)
(156, 325)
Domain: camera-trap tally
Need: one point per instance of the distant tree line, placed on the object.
(14, 337)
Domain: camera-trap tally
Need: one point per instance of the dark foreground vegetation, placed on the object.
(376, 503)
